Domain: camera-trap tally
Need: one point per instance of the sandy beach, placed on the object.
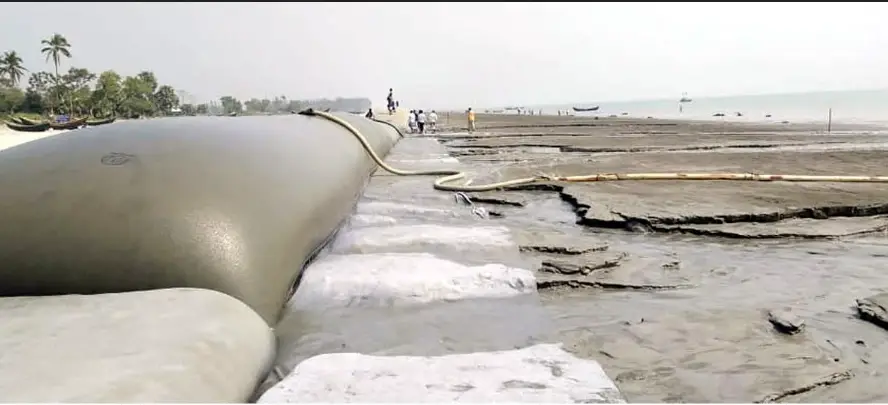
(668, 283)
(10, 138)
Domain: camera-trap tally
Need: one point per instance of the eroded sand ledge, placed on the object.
(732, 209)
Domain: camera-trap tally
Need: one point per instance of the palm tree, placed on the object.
(11, 67)
(55, 48)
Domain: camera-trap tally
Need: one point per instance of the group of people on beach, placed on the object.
(420, 122)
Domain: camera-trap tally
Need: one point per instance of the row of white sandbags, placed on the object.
(376, 262)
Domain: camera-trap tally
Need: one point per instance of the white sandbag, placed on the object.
(540, 373)
(396, 209)
(174, 345)
(432, 159)
(369, 240)
(429, 162)
(359, 220)
(391, 279)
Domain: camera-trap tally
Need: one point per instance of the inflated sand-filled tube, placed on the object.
(175, 345)
(235, 205)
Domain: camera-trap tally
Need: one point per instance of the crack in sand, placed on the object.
(495, 200)
(563, 250)
(576, 284)
(827, 381)
(555, 266)
(683, 224)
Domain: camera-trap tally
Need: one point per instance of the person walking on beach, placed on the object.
(390, 101)
(471, 116)
(369, 113)
(421, 121)
(433, 121)
(411, 121)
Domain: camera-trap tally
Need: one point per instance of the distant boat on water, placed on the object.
(580, 109)
(685, 98)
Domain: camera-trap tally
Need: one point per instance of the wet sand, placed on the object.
(668, 283)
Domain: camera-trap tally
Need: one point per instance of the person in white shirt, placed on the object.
(421, 120)
(433, 121)
(411, 121)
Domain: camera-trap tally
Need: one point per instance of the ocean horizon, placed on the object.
(849, 107)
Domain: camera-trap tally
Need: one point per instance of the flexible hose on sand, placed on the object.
(449, 176)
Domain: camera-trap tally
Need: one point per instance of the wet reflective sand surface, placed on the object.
(681, 315)
(667, 284)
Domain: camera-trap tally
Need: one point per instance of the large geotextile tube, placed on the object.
(235, 205)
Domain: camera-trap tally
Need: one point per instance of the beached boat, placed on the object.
(25, 121)
(102, 121)
(40, 127)
(72, 124)
(580, 109)
(17, 120)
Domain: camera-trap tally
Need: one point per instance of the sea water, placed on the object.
(852, 107)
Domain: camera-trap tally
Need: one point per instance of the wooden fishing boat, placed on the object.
(72, 124)
(17, 120)
(25, 121)
(580, 109)
(102, 121)
(28, 128)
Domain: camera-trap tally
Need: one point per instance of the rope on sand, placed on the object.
(450, 176)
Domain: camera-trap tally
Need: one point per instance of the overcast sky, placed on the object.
(468, 54)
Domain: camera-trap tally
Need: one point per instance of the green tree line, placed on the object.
(80, 92)
(283, 105)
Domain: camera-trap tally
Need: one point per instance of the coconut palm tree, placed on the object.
(11, 67)
(55, 48)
